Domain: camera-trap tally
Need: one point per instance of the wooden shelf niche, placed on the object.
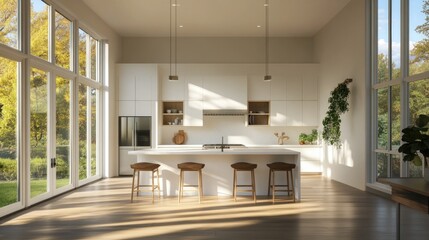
(259, 113)
(172, 113)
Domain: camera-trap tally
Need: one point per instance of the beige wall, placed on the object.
(218, 50)
(94, 24)
(340, 50)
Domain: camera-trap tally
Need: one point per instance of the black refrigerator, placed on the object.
(134, 134)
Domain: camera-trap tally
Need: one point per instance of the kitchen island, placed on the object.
(217, 173)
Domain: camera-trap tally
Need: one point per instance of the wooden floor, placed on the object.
(102, 210)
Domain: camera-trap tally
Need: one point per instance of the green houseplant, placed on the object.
(338, 104)
(415, 140)
(308, 138)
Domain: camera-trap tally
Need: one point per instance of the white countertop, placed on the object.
(249, 146)
(200, 151)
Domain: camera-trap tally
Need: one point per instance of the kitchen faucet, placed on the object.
(221, 145)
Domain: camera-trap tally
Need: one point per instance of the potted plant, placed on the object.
(416, 141)
(308, 138)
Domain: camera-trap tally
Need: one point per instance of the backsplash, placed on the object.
(233, 129)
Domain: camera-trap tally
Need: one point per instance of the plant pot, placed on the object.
(426, 174)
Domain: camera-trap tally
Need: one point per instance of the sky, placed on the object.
(416, 18)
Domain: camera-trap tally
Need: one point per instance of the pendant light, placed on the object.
(267, 77)
(172, 77)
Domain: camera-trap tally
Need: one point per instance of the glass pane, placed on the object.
(39, 29)
(419, 36)
(93, 131)
(38, 131)
(9, 23)
(382, 165)
(396, 39)
(83, 37)
(419, 98)
(9, 181)
(383, 41)
(396, 117)
(382, 118)
(83, 130)
(63, 106)
(395, 166)
(93, 59)
(63, 43)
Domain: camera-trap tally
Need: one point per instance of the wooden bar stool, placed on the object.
(190, 167)
(243, 166)
(284, 167)
(145, 167)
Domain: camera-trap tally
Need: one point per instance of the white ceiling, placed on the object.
(217, 18)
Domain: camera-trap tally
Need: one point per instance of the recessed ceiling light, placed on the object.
(258, 26)
(180, 26)
(175, 5)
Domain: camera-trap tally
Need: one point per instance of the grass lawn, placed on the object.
(8, 190)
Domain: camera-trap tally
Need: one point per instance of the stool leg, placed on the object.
(235, 186)
(293, 187)
(153, 186)
(200, 185)
(253, 185)
(269, 183)
(132, 186)
(180, 185)
(138, 183)
(159, 190)
(274, 185)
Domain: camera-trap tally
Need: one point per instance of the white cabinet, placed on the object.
(278, 113)
(258, 89)
(225, 92)
(193, 111)
(293, 113)
(127, 108)
(171, 90)
(138, 89)
(194, 87)
(310, 89)
(310, 158)
(310, 113)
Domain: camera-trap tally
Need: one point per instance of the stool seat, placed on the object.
(190, 166)
(243, 166)
(281, 166)
(144, 166)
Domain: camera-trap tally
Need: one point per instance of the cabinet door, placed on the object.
(310, 113)
(126, 81)
(144, 108)
(127, 108)
(225, 92)
(257, 88)
(278, 113)
(193, 113)
(294, 113)
(310, 88)
(278, 87)
(194, 87)
(171, 90)
(146, 81)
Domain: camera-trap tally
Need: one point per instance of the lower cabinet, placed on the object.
(310, 158)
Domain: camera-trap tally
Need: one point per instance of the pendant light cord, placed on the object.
(175, 38)
(171, 50)
(266, 37)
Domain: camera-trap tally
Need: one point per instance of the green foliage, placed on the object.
(308, 138)
(416, 140)
(338, 105)
(8, 169)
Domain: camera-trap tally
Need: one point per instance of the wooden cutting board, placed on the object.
(179, 138)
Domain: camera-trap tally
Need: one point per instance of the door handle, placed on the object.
(53, 162)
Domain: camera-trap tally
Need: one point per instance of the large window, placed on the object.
(400, 91)
(42, 136)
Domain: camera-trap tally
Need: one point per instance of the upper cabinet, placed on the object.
(137, 82)
(171, 90)
(310, 79)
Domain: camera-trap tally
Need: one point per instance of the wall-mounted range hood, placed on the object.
(226, 96)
